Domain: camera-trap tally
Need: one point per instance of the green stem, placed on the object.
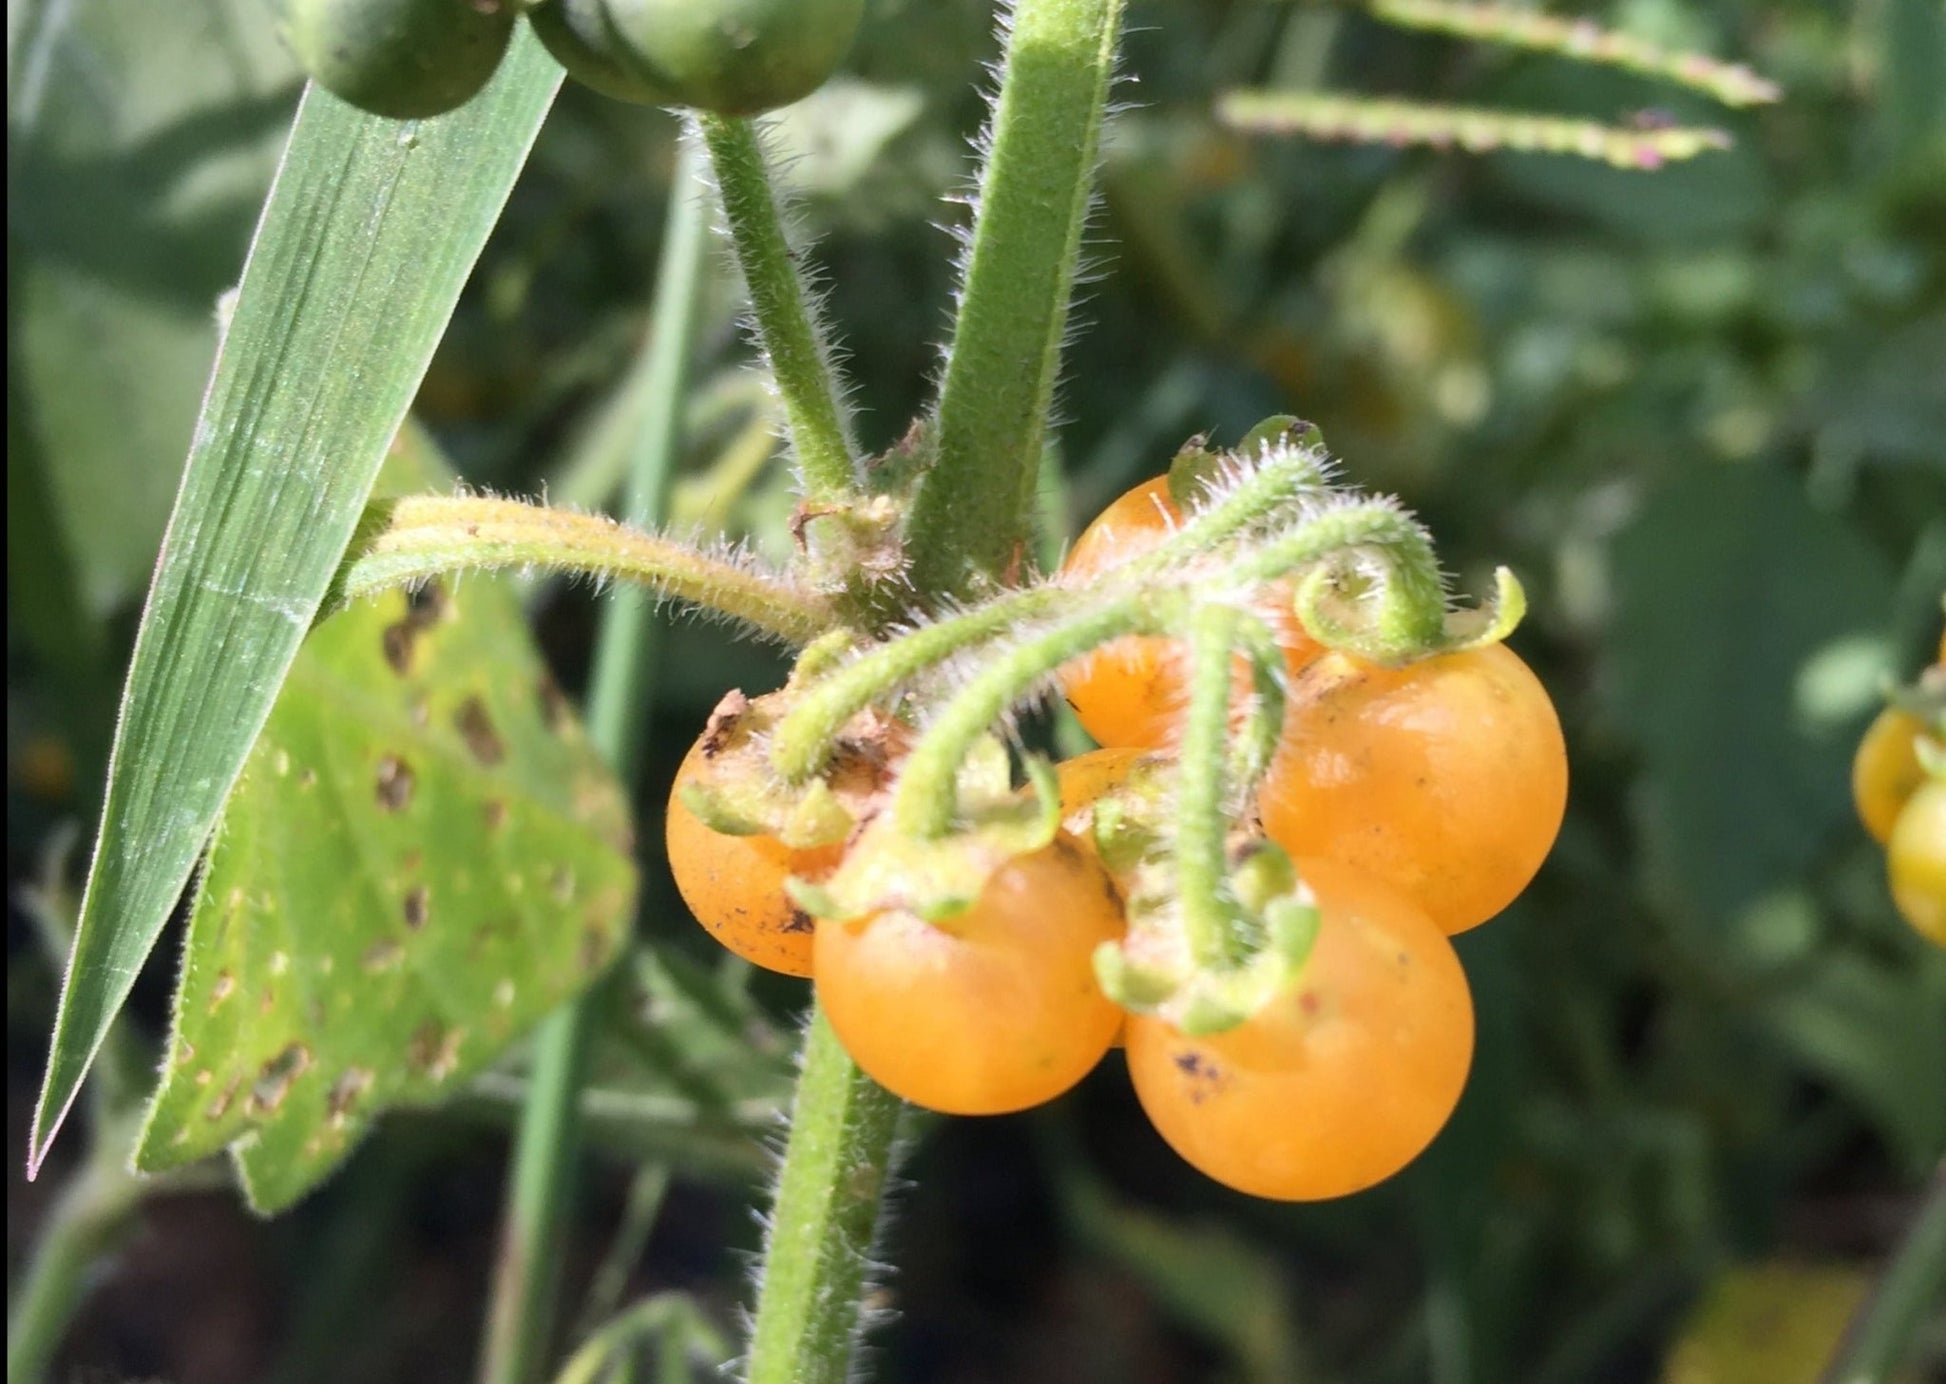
(1412, 596)
(429, 535)
(824, 1219)
(803, 739)
(1909, 1288)
(1209, 923)
(974, 510)
(520, 1324)
(1253, 748)
(798, 357)
(87, 1218)
(927, 798)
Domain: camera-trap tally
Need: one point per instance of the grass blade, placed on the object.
(369, 232)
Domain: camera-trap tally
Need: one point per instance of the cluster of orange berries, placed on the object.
(1898, 780)
(1413, 802)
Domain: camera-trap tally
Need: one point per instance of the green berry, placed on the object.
(728, 57)
(405, 59)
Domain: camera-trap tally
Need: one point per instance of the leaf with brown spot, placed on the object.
(391, 899)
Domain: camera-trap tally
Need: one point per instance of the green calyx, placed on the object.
(738, 794)
(1155, 969)
(938, 877)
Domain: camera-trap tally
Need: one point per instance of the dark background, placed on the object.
(1701, 412)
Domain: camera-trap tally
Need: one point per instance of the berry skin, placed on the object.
(1916, 861)
(1336, 1084)
(735, 884)
(1131, 692)
(991, 1011)
(1886, 770)
(727, 57)
(1447, 779)
(404, 59)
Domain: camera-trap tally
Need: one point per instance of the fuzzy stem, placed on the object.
(825, 1217)
(425, 536)
(798, 358)
(927, 799)
(520, 1323)
(1412, 612)
(974, 510)
(1255, 744)
(1209, 922)
(802, 740)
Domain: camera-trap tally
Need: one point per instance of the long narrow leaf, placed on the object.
(369, 232)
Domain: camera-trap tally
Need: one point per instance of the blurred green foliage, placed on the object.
(1702, 412)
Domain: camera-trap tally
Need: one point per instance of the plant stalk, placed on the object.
(1208, 918)
(799, 359)
(975, 508)
(521, 1321)
(843, 1127)
(427, 535)
(927, 798)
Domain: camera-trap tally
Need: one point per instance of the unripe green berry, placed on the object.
(405, 59)
(727, 57)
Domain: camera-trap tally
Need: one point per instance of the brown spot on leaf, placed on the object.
(220, 1107)
(396, 643)
(382, 956)
(224, 987)
(395, 780)
(426, 606)
(307, 778)
(434, 1050)
(476, 729)
(495, 812)
(274, 1078)
(417, 902)
(345, 1094)
(555, 710)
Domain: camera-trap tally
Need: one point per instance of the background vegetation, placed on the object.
(1701, 412)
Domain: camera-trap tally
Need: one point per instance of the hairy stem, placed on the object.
(927, 798)
(1208, 918)
(824, 1220)
(798, 357)
(1411, 597)
(426, 536)
(803, 739)
(520, 1325)
(974, 511)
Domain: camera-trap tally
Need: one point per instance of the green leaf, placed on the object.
(371, 229)
(424, 856)
(1728, 585)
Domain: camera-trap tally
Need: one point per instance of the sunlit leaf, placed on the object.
(424, 855)
(369, 233)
